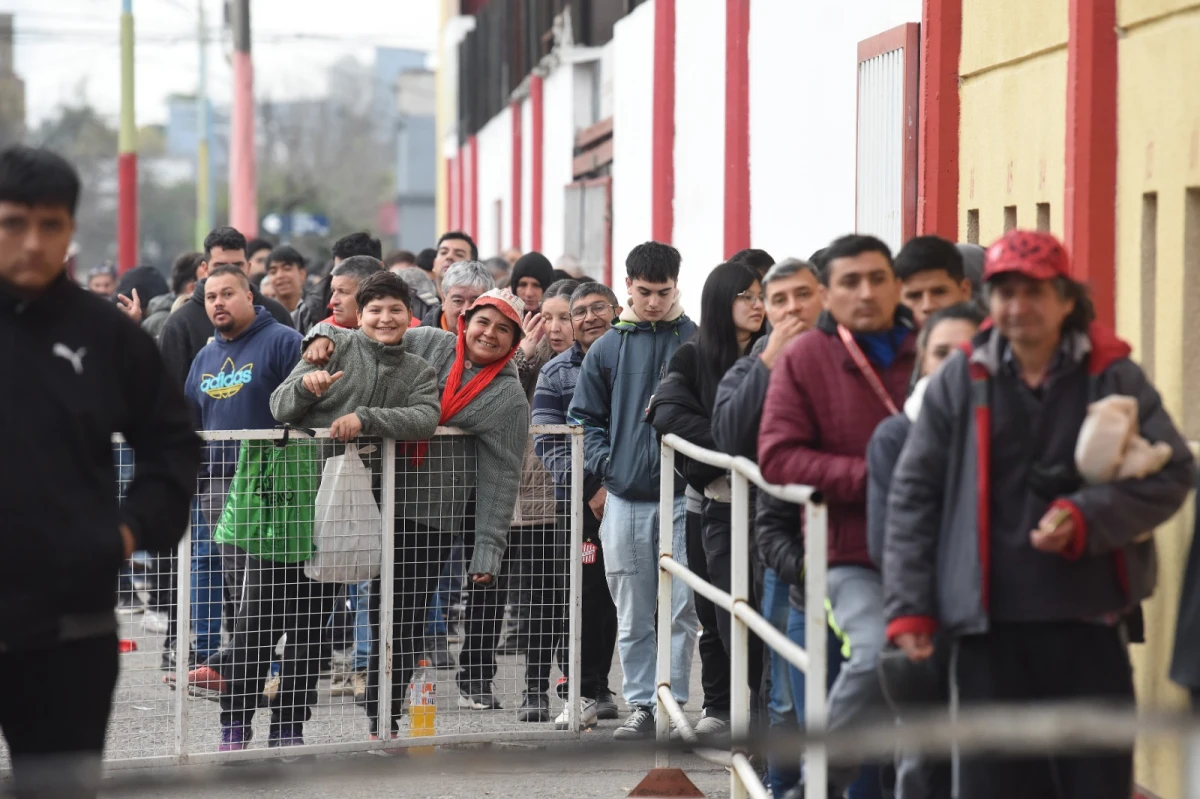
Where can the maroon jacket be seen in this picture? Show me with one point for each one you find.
(818, 418)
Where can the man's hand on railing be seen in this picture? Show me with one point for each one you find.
(481, 579)
(918, 646)
(345, 428)
(596, 503)
(319, 351)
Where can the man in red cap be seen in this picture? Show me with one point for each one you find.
(995, 541)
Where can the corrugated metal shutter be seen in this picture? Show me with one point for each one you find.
(885, 199)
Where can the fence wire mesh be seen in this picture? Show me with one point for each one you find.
(272, 628)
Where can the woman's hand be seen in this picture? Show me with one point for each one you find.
(320, 382)
(319, 351)
(345, 428)
(482, 579)
(535, 330)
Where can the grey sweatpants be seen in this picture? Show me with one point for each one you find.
(856, 612)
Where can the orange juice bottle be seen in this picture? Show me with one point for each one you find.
(422, 707)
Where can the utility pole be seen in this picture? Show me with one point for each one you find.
(204, 197)
(127, 170)
(243, 202)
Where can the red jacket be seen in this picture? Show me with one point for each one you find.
(819, 415)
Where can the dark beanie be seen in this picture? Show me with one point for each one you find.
(148, 281)
(534, 265)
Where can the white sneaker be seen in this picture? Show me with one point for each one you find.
(588, 714)
(154, 622)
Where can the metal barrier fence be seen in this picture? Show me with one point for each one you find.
(300, 663)
(811, 659)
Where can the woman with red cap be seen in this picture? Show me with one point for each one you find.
(453, 483)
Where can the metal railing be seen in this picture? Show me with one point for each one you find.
(811, 659)
(153, 725)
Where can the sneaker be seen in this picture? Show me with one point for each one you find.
(235, 737)
(587, 715)
(358, 682)
(477, 696)
(271, 689)
(534, 708)
(638, 727)
(154, 622)
(713, 731)
(285, 735)
(340, 685)
(201, 678)
(130, 604)
(606, 707)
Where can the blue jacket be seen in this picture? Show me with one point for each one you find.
(230, 383)
(551, 399)
(617, 380)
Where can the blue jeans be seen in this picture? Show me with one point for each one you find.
(206, 588)
(629, 535)
(360, 600)
(781, 776)
(448, 588)
(866, 786)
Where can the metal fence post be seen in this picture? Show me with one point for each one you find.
(385, 599)
(739, 673)
(666, 536)
(815, 639)
(575, 607)
(183, 640)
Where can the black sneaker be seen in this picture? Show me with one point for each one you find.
(606, 706)
(477, 696)
(638, 727)
(534, 707)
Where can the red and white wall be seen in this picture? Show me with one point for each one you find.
(734, 125)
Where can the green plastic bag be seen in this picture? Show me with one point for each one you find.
(269, 510)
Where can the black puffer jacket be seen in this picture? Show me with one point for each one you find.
(678, 407)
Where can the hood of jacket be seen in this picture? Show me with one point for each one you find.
(1100, 346)
(262, 318)
(629, 320)
(160, 304)
(912, 405)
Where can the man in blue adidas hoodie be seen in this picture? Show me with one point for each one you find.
(229, 387)
(619, 375)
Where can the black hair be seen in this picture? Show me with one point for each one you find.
(286, 254)
(399, 257)
(1084, 313)
(359, 267)
(223, 238)
(716, 339)
(183, 271)
(560, 275)
(561, 288)
(426, 257)
(653, 262)
(928, 254)
(358, 244)
(592, 287)
(35, 176)
(961, 311)
(458, 235)
(758, 260)
(255, 245)
(383, 285)
(230, 269)
(819, 259)
(496, 262)
(850, 246)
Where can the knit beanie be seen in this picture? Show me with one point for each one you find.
(534, 265)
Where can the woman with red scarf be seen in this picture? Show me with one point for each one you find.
(453, 483)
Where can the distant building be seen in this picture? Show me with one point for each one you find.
(182, 132)
(416, 159)
(12, 89)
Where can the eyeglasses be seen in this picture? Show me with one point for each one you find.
(600, 309)
(751, 299)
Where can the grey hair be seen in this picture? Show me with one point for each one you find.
(358, 267)
(787, 268)
(588, 289)
(468, 273)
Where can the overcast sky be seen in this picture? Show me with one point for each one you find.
(67, 46)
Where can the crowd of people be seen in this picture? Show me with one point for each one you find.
(993, 462)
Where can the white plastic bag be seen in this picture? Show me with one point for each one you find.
(347, 524)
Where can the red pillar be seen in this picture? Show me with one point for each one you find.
(662, 170)
(1090, 207)
(451, 200)
(515, 237)
(473, 196)
(937, 188)
(737, 125)
(243, 199)
(535, 168)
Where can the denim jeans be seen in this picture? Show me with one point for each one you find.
(867, 785)
(450, 586)
(781, 776)
(629, 534)
(360, 601)
(206, 588)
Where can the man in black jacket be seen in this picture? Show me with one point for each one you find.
(86, 372)
(188, 329)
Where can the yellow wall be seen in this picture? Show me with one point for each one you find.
(1012, 145)
(1159, 151)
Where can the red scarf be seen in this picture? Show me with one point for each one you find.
(455, 396)
(330, 320)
